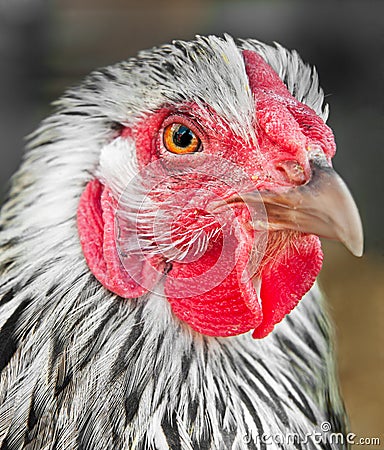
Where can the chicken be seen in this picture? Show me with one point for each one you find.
(159, 250)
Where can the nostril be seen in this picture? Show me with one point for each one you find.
(293, 171)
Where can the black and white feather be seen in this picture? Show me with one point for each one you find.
(84, 369)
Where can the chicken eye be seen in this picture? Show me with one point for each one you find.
(180, 139)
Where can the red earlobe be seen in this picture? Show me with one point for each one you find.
(96, 222)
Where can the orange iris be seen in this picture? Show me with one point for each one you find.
(180, 139)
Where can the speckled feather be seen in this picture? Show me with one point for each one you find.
(84, 369)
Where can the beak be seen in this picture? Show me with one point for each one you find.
(323, 206)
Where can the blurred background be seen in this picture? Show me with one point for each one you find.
(45, 46)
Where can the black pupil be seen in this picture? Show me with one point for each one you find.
(183, 136)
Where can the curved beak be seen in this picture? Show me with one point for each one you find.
(323, 206)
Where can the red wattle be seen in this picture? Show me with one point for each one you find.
(212, 294)
(227, 304)
(285, 281)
